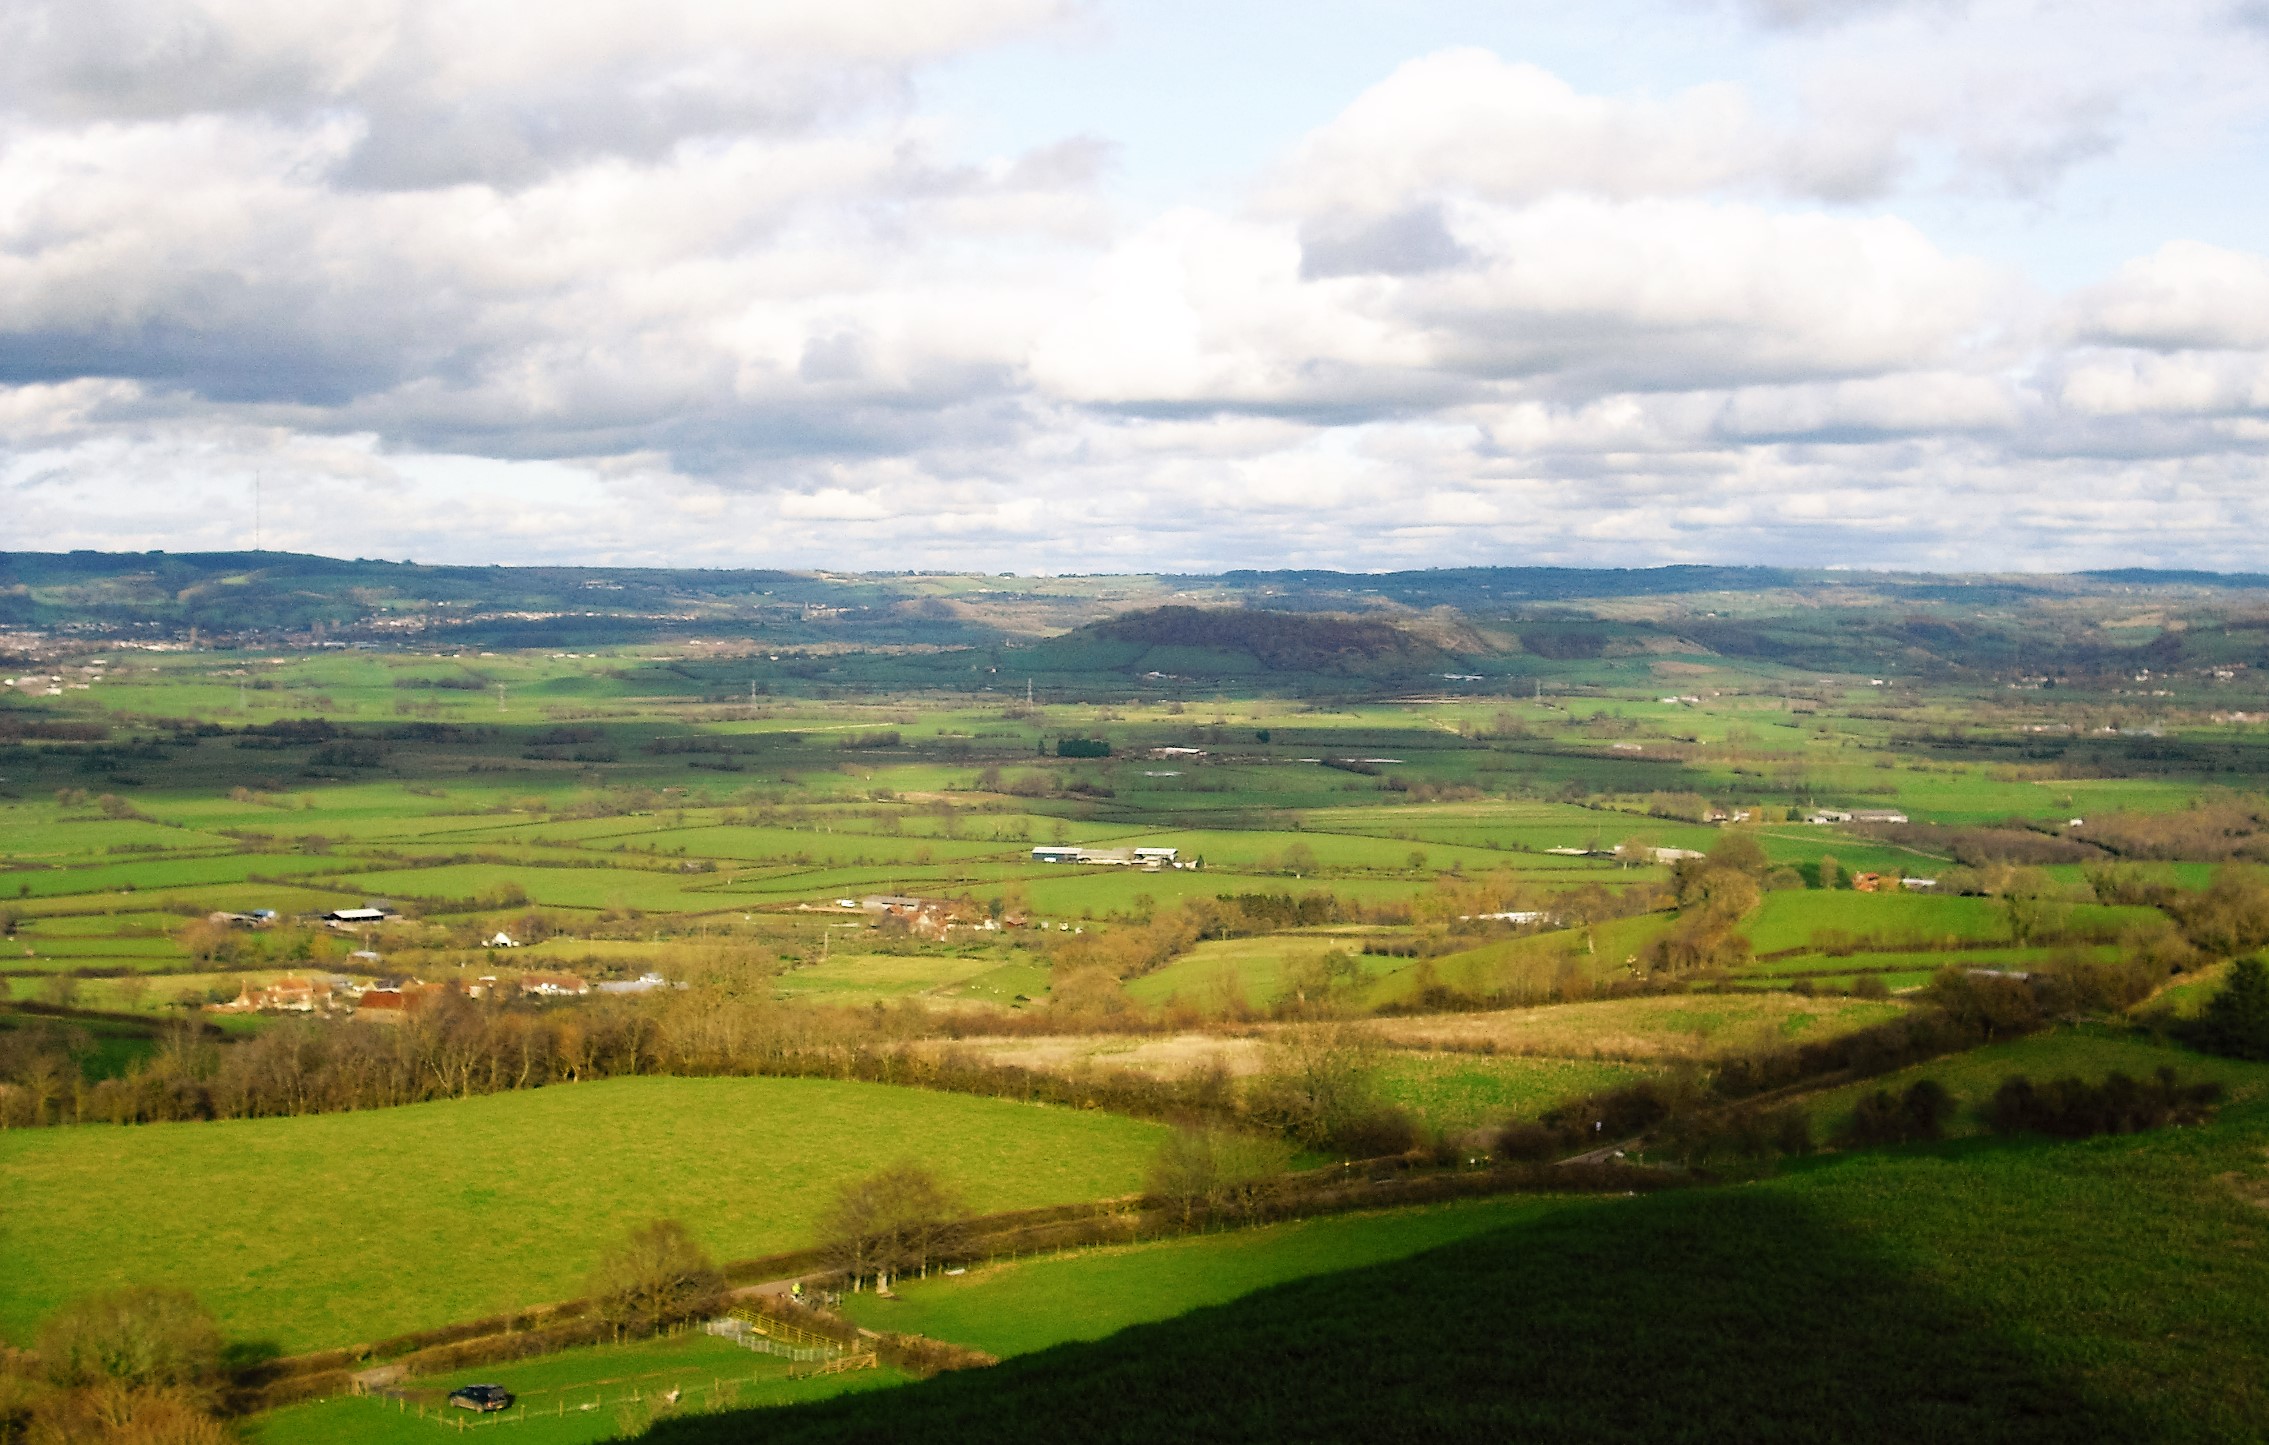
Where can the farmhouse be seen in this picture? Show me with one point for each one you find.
(382, 1005)
(285, 995)
(390, 1001)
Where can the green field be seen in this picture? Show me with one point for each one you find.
(1224, 975)
(2040, 1292)
(2086, 1052)
(1017, 1307)
(691, 791)
(1645, 1029)
(294, 1230)
(603, 1393)
(1454, 1092)
(863, 978)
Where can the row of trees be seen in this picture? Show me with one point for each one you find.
(1321, 1088)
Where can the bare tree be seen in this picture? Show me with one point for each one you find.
(898, 1220)
(1228, 1174)
(657, 1276)
(1322, 1078)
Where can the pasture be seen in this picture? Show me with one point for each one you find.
(1231, 975)
(2086, 1052)
(649, 807)
(2032, 1292)
(336, 1228)
(1643, 1030)
(605, 1392)
(1015, 1307)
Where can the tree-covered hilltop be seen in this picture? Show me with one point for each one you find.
(1383, 629)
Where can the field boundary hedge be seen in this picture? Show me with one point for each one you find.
(546, 1329)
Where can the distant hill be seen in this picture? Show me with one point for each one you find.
(1216, 642)
(1340, 631)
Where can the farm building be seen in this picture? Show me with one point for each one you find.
(554, 985)
(1112, 857)
(644, 983)
(1657, 855)
(256, 918)
(388, 1005)
(284, 995)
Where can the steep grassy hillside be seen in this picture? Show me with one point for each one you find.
(2113, 1290)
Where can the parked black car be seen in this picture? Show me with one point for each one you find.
(483, 1398)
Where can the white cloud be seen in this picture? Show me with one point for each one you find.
(2184, 295)
(453, 90)
(1465, 122)
(750, 304)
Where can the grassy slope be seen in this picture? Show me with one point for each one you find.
(2085, 1052)
(331, 1229)
(1022, 1306)
(1653, 1027)
(2112, 1290)
(1458, 1091)
(572, 1397)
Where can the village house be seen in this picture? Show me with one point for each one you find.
(390, 1000)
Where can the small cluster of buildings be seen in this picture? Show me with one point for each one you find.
(1856, 815)
(1630, 853)
(345, 920)
(931, 918)
(1152, 859)
(1890, 883)
(387, 1000)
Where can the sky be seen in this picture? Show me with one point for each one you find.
(1127, 285)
